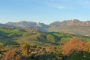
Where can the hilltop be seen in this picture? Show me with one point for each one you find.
(74, 26)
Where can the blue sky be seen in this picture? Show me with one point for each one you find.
(45, 11)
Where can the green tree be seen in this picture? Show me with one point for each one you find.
(50, 38)
(25, 49)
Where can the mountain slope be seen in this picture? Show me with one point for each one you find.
(29, 25)
(13, 36)
(69, 26)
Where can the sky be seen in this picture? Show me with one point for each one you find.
(45, 11)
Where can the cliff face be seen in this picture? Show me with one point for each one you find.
(68, 26)
(71, 26)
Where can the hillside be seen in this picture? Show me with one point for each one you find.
(31, 44)
(13, 36)
(29, 25)
(71, 26)
(74, 26)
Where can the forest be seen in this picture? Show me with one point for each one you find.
(31, 44)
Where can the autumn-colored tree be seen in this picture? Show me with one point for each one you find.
(12, 55)
(75, 45)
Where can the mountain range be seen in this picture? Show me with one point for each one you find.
(74, 26)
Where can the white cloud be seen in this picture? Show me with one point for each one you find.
(60, 7)
(68, 4)
(55, 4)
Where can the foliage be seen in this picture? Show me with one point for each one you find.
(25, 49)
(11, 55)
(50, 38)
(79, 56)
(75, 45)
(77, 49)
(24, 44)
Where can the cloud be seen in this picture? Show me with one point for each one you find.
(55, 4)
(60, 7)
(68, 4)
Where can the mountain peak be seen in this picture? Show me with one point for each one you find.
(75, 20)
(39, 24)
(73, 26)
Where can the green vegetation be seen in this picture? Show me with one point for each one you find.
(31, 44)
